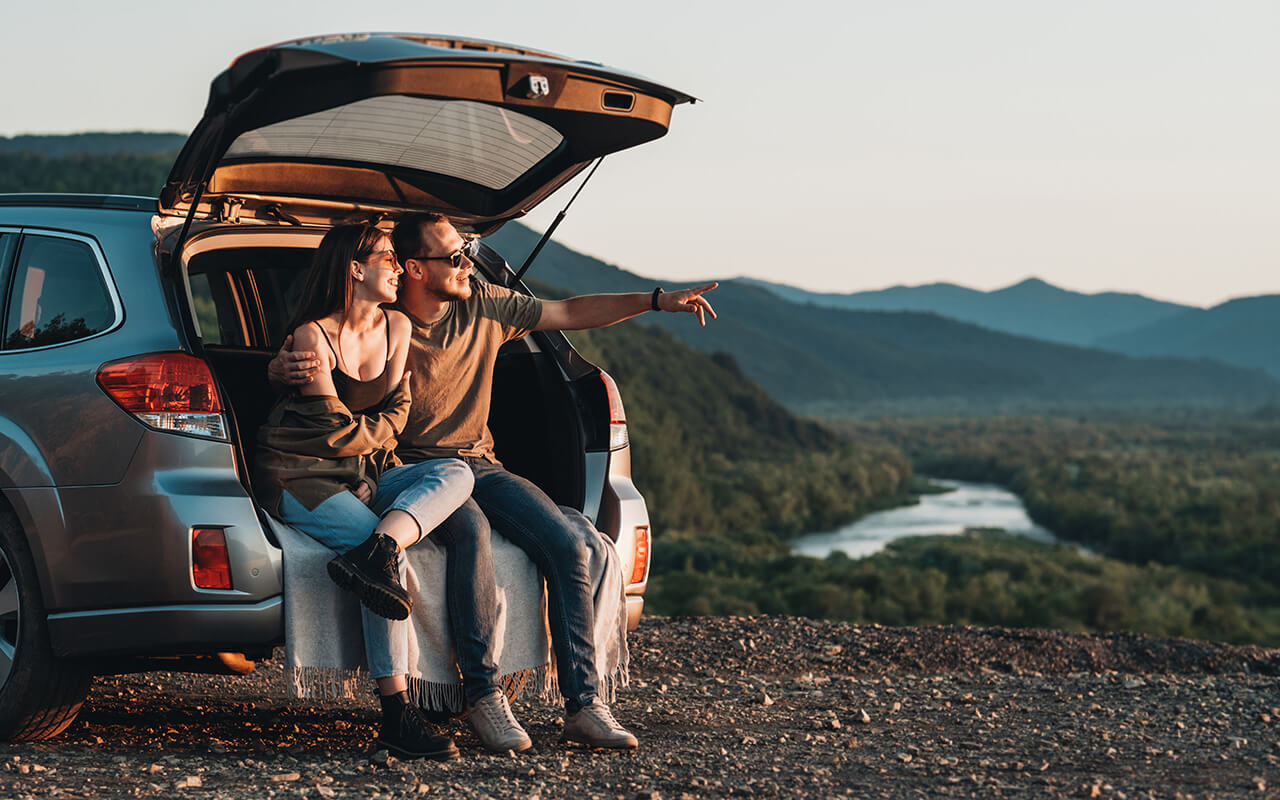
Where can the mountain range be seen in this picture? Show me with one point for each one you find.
(833, 361)
(1029, 308)
(1241, 332)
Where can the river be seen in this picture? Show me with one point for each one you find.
(968, 505)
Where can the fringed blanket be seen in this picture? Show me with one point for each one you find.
(325, 646)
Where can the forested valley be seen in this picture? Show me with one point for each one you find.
(1178, 515)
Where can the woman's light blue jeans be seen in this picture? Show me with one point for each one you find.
(429, 491)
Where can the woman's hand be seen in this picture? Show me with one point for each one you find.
(363, 493)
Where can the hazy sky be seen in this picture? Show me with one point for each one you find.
(841, 146)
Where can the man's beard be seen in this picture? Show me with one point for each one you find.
(451, 290)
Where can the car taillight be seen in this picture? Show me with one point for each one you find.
(210, 566)
(641, 565)
(166, 391)
(617, 416)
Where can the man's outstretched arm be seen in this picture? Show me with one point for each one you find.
(599, 310)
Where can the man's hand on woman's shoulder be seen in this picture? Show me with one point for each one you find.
(292, 367)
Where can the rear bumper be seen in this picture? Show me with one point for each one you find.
(168, 630)
(635, 607)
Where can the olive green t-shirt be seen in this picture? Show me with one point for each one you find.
(452, 364)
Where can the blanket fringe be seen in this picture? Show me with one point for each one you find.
(437, 696)
(538, 683)
(450, 697)
(325, 683)
(548, 688)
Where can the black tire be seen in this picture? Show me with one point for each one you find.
(40, 694)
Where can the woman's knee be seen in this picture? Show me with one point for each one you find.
(458, 480)
(443, 477)
(441, 487)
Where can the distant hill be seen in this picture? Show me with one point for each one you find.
(112, 163)
(1245, 332)
(123, 173)
(135, 143)
(826, 360)
(1031, 308)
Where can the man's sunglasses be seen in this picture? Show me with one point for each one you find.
(455, 258)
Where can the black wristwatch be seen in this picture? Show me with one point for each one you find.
(653, 302)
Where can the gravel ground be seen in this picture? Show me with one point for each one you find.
(755, 707)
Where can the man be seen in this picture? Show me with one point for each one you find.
(458, 327)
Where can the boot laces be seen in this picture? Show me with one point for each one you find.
(388, 553)
(413, 725)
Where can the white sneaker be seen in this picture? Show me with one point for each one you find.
(493, 722)
(594, 725)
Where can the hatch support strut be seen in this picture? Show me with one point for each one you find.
(205, 173)
(546, 237)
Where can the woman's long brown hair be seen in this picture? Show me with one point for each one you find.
(329, 283)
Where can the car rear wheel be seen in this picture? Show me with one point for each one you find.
(40, 694)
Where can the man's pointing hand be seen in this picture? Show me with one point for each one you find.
(690, 300)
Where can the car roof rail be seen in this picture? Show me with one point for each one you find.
(117, 202)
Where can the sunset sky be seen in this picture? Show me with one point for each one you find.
(1116, 145)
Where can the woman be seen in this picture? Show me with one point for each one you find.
(324, 446)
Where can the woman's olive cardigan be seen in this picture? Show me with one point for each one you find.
(313, 447)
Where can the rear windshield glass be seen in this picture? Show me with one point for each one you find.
(483, 144)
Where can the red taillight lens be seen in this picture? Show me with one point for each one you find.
(641, 565)
(617, 415)
(167, 391)
(210, 567)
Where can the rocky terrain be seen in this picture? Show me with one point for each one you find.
(742, 707)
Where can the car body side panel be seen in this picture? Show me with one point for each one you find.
(129, 544)
(54, 404)
(22, 463)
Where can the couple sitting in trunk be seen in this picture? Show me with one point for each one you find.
(382, 440)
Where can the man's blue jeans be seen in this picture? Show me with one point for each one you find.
(523, 513)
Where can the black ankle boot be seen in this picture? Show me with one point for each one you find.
(370, 569)
(406, 734)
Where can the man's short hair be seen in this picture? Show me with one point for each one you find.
(406, 237)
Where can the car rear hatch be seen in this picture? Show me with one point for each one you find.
(332, 129)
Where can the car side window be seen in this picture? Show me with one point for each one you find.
(58, 294)
(206, 309)
(279, 289)
(8, 244)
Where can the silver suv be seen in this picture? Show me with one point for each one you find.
(136, 333)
